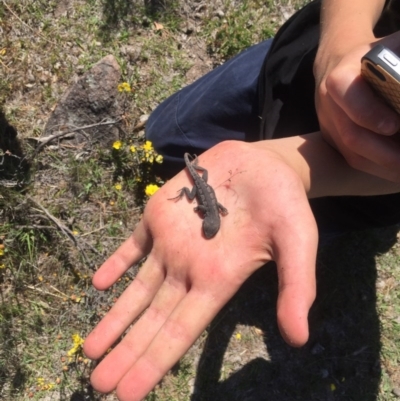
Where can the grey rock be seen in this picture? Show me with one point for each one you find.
(92, 100)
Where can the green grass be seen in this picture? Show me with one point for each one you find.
(238, 26)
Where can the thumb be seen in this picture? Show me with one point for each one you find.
(296, 259)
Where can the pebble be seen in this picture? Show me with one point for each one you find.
(396, 391)
(143, 118)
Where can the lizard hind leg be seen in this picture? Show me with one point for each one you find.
(200, 209)
(181, 192)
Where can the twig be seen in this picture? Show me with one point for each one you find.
(35, 227)
(8, 183)
(65, 230)
(43, 292)
(61, 226)
(94, 231)
(56, 289)
(45, 140)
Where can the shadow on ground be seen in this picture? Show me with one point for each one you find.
(340, 360)
(13, 165)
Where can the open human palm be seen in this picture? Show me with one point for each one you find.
(187, 278)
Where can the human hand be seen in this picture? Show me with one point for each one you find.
(187, 279)
(352, 118)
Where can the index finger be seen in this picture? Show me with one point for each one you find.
(129, 253)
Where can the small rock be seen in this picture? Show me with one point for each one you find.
(380, 284)
(220, 14)
(132, 52)
(396, 391)
(143, 118)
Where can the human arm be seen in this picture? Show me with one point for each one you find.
(351, 117)
(186, 279)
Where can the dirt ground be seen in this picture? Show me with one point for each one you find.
(352, 353)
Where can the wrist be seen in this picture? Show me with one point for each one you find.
(345, 26)
(322, 170)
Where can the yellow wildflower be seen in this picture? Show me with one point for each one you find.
(151, 189)
(124, 87)
(159, 159)
(117, 145)
(132, 149)
(238, 336)
(332, 387)
(78, 342)
(1, 252)
(148, 146)
(43, 386)
(3, 266)
(118, 187)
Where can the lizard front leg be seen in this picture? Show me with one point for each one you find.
(191, 194)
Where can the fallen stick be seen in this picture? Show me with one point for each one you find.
(47, 139)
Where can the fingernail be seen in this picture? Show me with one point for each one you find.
(388, 127)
